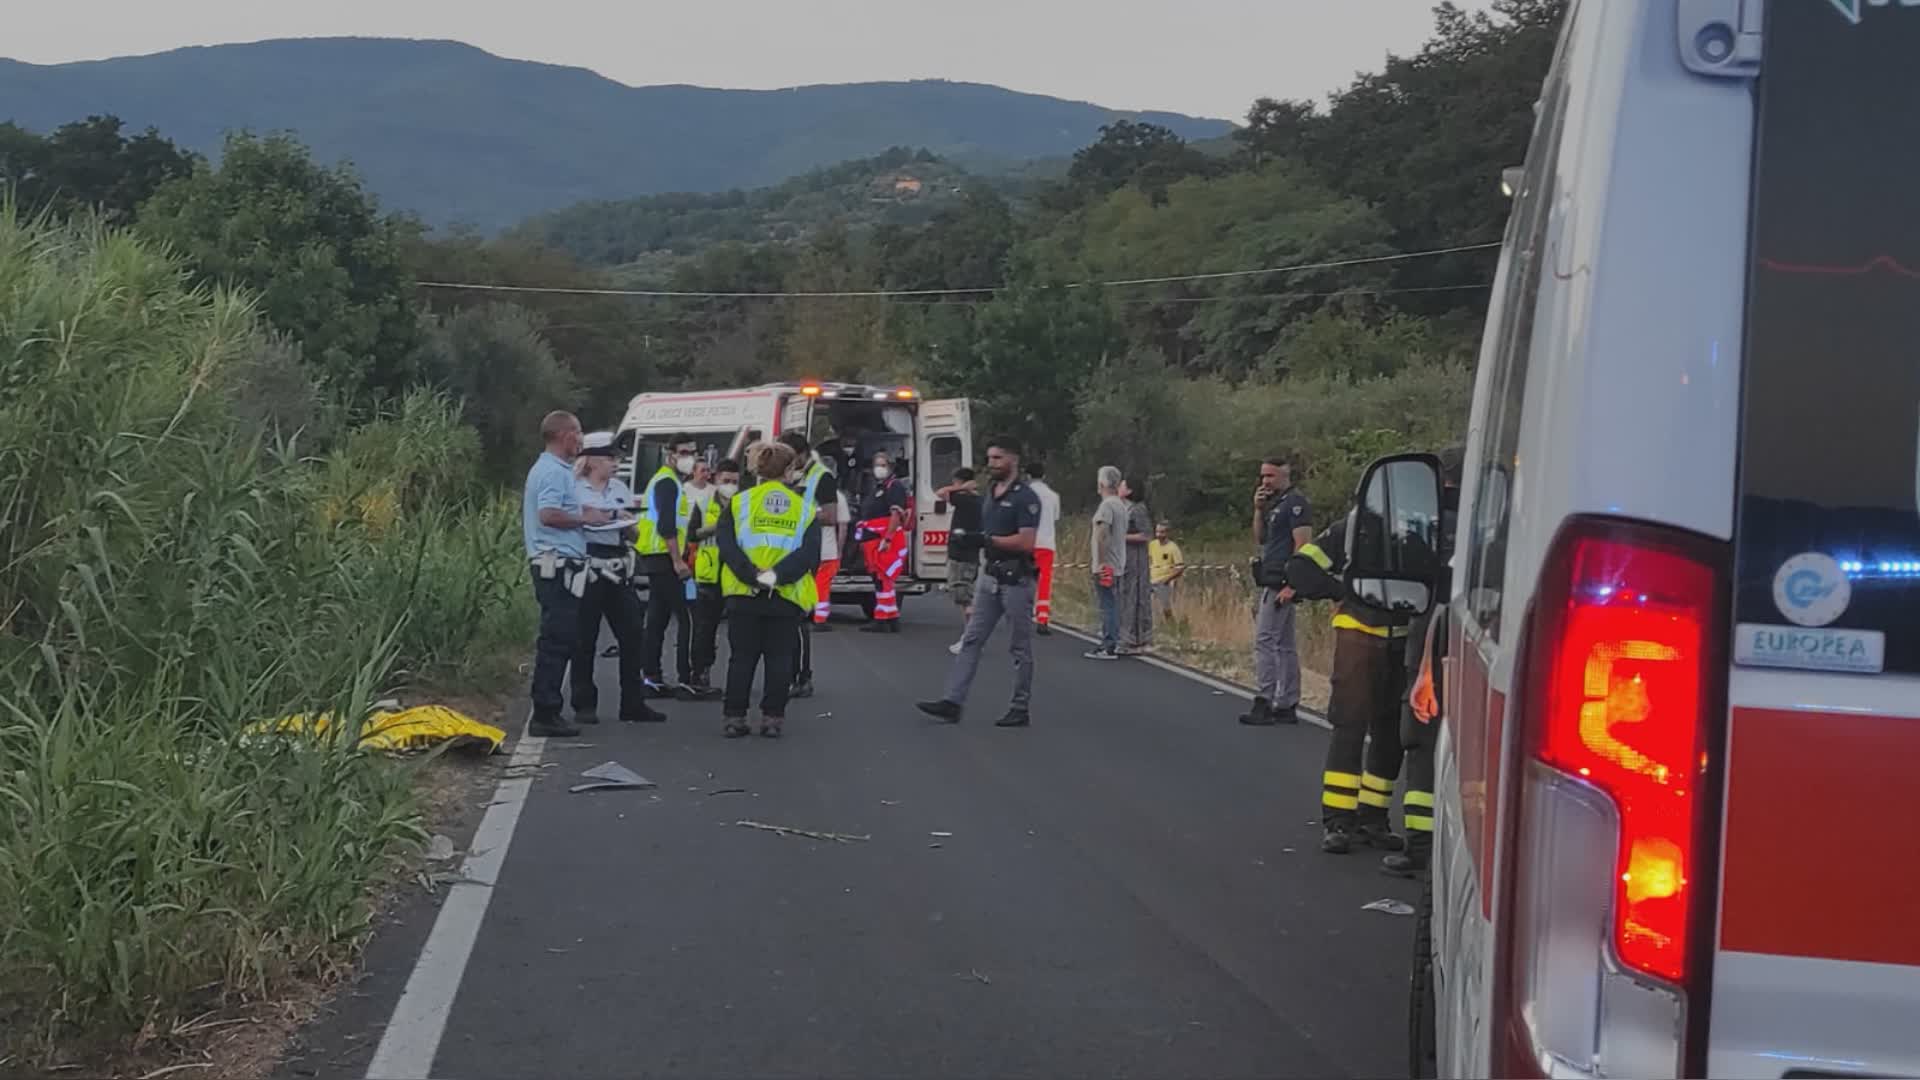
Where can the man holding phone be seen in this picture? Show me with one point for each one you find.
(1282, 523)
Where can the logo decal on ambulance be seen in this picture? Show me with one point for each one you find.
(1811, 589)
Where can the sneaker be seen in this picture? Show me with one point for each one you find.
(802, 688)
(1014, 718)
(1043, 629)
(1101, 654)
(1261, 715)
(954, 648)
(735, 727)
(943, 710)
(551, 727)
(769, 727)
(1336, 840)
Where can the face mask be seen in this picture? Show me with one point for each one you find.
(881, 472)
(728, 491)
(794, 476)
(683, 464)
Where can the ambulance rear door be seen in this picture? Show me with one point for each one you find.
(943, 442)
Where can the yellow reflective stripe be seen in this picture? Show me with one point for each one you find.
(1339, 802)
(1419, 822)
(1375, 798)
(1320, 559)
(1377, 783)
(1419, 798)
(1340, 779)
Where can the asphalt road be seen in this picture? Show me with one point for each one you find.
(1131, 887)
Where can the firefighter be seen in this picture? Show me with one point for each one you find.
(1369, 677)
(1426, 648)
(708, 601)
(662, 535)
(769, 551)
(885, 542)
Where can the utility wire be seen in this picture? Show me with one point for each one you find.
(854, 294)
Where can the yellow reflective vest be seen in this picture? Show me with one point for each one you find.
(649, 540)
(706, 561)
(770, 522)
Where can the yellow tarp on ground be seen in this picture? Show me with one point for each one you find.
(396, 731)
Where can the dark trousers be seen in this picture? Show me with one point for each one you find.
(1363, 757)
(554, 649)
(1416, 803)
(619, 606)
(756, 634)
(708, 604)
(803, 651)
(667, 602)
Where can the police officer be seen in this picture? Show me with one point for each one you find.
(1369, 677)
(1009, 527)
(708, 601)
(609, 594)
(666, 515)
(1282, 523)
(769, 549)
(552, 523)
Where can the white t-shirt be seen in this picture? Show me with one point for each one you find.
(1043, 537)
(830, 534)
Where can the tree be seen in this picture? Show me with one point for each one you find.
(312, 244)
(88, 165)
(505, 375)
(1276, 131)
(1146, 156)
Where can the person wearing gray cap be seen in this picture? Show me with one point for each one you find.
(609, 594)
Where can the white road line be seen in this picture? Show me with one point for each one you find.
(412, 1038)
(1191, 675)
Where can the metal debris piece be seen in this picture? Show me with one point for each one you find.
(611, 776)
(942, 835)
(1391, 907)
(788, 830)
(728, 791)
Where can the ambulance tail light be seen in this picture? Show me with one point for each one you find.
(1608, 925)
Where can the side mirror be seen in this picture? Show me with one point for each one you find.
(1395, 536)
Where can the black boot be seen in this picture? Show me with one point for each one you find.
(1289, 714)
(1335, 839)
(1413, 862)
(551, 727)
(1377, 833)
(1261, 715)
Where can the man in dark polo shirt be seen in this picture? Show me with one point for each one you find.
(1009, 525)
(1282, 522)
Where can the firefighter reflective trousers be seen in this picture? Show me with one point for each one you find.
(1363, 757)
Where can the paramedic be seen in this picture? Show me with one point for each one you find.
(769, 551)
(1044, 546)
(552, 523)
(885, 540)
(666, 514)
(708, 601)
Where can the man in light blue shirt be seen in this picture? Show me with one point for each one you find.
(554, 522)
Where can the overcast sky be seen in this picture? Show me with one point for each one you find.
(1205, 57)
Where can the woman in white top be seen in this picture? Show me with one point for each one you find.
(609, 594)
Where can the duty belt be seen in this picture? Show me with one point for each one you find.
(619, 571)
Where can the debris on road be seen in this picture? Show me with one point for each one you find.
(788, 830)
(440, 848)
(574, 746)
(728, 791)
(941, 834)
(611, 776)
(975, 976)
(889, 802)
(1391, 907)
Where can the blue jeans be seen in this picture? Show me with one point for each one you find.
(1109, 614)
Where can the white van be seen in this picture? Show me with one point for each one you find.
(926, 439)
(1682, 695)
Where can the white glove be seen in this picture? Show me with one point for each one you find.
(767, 579)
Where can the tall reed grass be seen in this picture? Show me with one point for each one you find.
(166, 579)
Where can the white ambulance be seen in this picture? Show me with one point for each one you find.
(1682, 697)
(927, 440)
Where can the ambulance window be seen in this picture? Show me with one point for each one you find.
(1830, 438)
(944, 450)
(1526, 254)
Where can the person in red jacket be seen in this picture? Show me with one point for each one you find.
(885, 541)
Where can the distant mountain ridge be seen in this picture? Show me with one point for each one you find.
(457, 134)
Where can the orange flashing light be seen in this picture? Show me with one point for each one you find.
(904, 393)
(811, 390)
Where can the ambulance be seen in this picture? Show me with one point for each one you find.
(926, 441)
(1681, 697)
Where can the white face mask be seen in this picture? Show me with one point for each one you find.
(881, 472)
(683, 464)
(727, 491)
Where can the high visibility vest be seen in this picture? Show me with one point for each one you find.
(812, 482)
(650, 541)
(770, 522)
(706, 560)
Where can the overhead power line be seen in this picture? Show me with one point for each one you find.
(859, 294)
